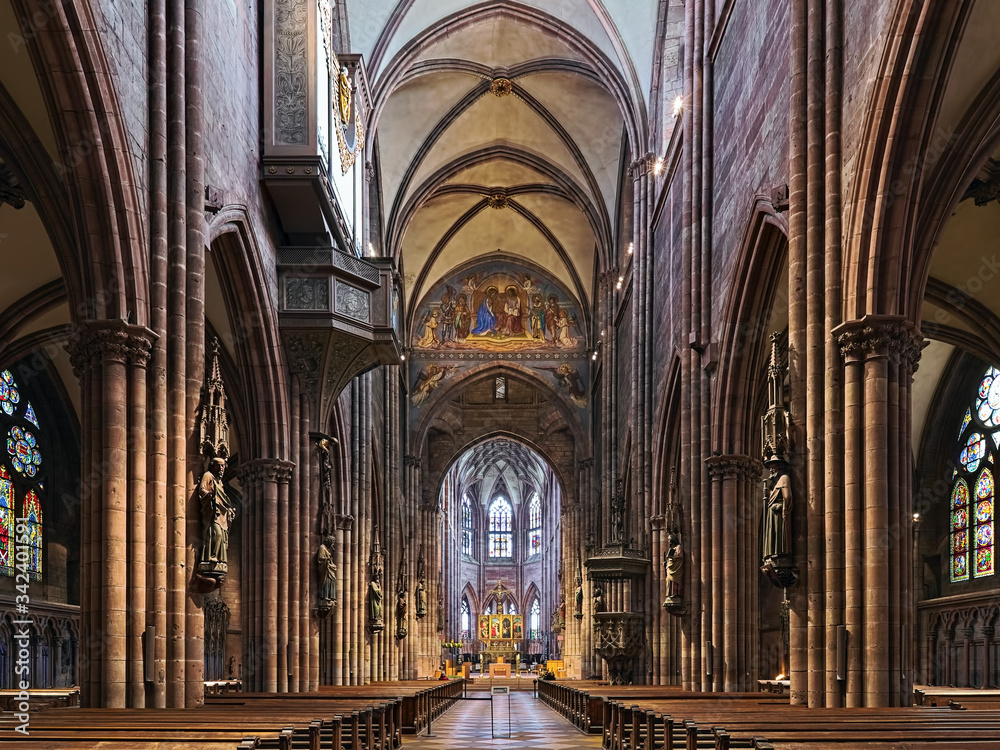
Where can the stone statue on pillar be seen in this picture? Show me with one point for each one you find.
(578, 594)
(673, 566)
(777, 563)
(218, 511)
(401, 595)
(599, 604)
(420, 593)
(326, 569)
(377, 565)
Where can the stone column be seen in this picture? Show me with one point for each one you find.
(880, 353)
(737, 477)
(110, 358)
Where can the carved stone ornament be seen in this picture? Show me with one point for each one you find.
(619, 638)
(291, 75)
(501, 87)
(498, 199)
(377, 565)
(353, 302)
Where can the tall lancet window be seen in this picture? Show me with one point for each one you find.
(501, 532)
(21, 487)
(466, 629)
(535, 525)
(466, 526)
(974, 490)
(534, 621)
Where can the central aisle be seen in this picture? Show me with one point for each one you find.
(466, 726)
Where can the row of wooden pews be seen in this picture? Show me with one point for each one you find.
(650, 718)
(371, 717)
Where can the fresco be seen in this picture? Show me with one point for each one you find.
(498, 307)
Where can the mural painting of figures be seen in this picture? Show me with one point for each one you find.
(463, 317)
(486, 317)
(498, 308)
(569, 380)
(428, 380)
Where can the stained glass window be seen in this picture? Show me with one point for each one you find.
(973, 495)
(33, 519)
(501, 536)
(534, 620)
(466, 630)
(960, 531)
(466, 526)
(500, 389)
(535, 524)
(21, 491)
(6, 524)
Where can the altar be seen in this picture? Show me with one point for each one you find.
(499, 670)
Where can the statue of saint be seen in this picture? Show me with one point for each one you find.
(327, 570)
(673, 565)
(599, 603)
(217, 513)
(778, 512)
(579, 601)
(420, 595)
(375, 604)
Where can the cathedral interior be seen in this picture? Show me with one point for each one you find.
(353, 341)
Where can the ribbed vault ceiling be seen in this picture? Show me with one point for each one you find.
(501, 126)
(501, 465)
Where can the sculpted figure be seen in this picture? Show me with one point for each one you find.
(599, 604)
(777, 514)
(217, 513)
(673, 564)
(579, 601)
(327, 570)
(375, 604)
(421, 598)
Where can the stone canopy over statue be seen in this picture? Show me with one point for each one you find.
(217, 509)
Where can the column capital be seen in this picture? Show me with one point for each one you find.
(95, 342)
(657, 523)
(345, 523)
(642, 166)
(267, 469)
(879, 336)
(734, 466)
(412, 462)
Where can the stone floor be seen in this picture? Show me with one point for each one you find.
(466, 726)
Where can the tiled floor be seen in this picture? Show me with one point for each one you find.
(466, 726)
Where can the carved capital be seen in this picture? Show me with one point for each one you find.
(412, 462)
(267, 470)
(734, 466)
(988, 632)
(99, 342)
(641, 166)
(656, 523)
(876, 336)
(345, 523)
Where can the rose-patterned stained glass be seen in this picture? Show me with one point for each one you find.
(6, 524)
(33, 519)
(9, 396)
(965, 422)
(960, 531)
(973, 452)
(988, 400)
(536, 542)
(23, 450)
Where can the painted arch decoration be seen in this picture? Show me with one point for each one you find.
(498, 306)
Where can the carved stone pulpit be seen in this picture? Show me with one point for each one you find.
(619, 638)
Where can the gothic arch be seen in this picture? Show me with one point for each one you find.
(744, 342)
(881, 221)
(108, 278)
(257, 342)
